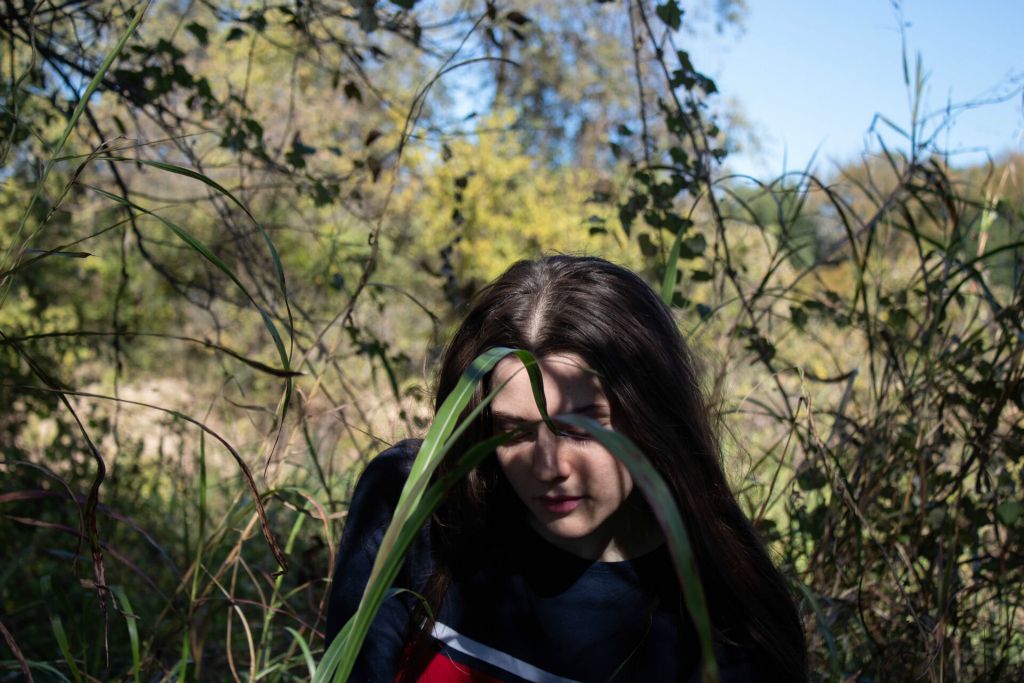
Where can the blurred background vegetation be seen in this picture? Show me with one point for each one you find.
(236, 235)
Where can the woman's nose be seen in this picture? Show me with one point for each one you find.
(550, 461)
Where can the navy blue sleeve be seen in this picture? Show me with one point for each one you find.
(373, 504)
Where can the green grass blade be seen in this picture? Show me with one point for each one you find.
(445, 421)
(202, 498)
(274, 255)
(307, 656)
(668, 283)
(46, 584)
(266, 633)
(441, 435)
(663, 505)
(133, 631)
(443, 431)
(201, 539)
(331, 660)
(343, 651)
(185, 652)
(48, 668)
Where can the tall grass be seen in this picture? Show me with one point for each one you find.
(862, 333)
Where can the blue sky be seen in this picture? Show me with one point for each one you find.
(812, 74)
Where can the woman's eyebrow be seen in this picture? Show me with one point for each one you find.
(594, 409)
(590, 410)
(509, 418)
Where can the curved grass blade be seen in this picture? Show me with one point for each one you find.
(133, 630)
(340, 657)
(205, 252)
(408, 518)
(442, 434)
(664, 507)
(46, 667)
(185, 657)
(195, 175)
(266, 632)
(261, 512)
(220, 348)
(307, 656)
(46, 586)
(444, 430)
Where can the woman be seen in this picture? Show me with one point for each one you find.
(545, 563)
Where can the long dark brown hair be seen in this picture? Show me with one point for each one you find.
(612, 319)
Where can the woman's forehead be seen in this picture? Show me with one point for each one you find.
(570, 385)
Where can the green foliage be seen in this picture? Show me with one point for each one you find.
(235, 237)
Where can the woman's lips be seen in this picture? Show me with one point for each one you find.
(559, 504)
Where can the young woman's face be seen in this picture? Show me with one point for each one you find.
(574, 489)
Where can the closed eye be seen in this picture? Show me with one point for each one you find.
(519, 433)
(574, 436)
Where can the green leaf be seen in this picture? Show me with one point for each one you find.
(647, 246)
(693, 247)
(701, 276)
(368, 20)
(809, 477)
(274, 255)
(518, 18)
(628, 212)
(257, 21)
(1009, 511)
(254, 127)
(352, 92)
(202, 35)
(296, 156)
(670, 13)
(798, 315)
(668, 283)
